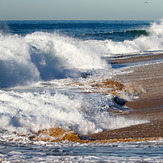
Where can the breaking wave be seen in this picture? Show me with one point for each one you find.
(149, 40)
(44, 56)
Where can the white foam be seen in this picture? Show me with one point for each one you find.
(47, 56)
(70, 52)
(15, 64)
(26, 112)
(153, 42)
(44, 56)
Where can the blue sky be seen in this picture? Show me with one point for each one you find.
(81, 9)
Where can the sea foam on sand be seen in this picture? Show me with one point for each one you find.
(29, 112)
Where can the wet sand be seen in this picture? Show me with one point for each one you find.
(149, 105)
(136, 58)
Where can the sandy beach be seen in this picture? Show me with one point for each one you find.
(149, 105)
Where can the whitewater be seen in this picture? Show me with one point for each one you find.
(45, 78)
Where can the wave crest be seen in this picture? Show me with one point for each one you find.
(149, 40)
(15, 63)
(44, 56)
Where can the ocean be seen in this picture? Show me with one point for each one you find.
(48, 73)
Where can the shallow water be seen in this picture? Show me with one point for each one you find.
(54, 152)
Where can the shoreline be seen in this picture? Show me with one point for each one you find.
(149, 105)
(137, 58)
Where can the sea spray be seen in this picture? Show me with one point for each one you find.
(15, 62)
(76, 53)
(143, 44)
(45, 56)
(29, 112)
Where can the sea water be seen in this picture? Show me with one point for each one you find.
(46, 68)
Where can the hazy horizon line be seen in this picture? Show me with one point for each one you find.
(79, 19)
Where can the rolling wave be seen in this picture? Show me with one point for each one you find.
(46, 56)
(138, 32)
(117, 35)
(149, 40)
